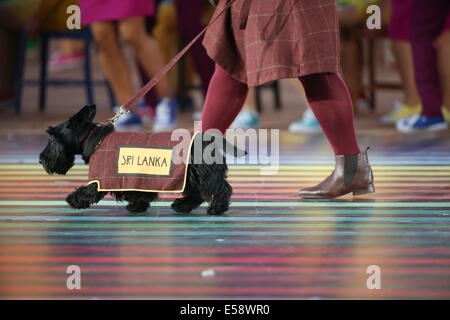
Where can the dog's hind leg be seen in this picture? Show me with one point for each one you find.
(220, 199)
(84, 196)
(192, 197)
(139, 201)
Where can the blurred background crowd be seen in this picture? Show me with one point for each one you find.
(132, 40)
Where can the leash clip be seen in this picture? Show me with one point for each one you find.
(121, 111)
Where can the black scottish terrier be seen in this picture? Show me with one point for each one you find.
(204, 182)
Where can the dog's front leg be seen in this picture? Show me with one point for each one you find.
(188, 203)
(138, 201)
(84, 196)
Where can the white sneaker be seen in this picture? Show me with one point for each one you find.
(246, 119)
(400, 111)
(308, 124)
(421, 123)
(165, 115)
(197, 115)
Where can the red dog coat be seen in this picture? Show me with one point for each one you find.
(129, 161)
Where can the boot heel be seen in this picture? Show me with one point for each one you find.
(364, 190)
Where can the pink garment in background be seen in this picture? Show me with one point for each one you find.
(400, 22)
(109, 10)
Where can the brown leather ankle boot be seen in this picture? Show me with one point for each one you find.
(352, 174)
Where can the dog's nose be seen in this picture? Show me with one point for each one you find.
(40, 161)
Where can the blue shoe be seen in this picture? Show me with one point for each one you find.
(308, 124)
(421, 123)
(128, 122)
(197, 116)
(145, 112)
(246, 119)
(165, 116)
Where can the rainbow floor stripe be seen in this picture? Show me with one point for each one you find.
(269, 245)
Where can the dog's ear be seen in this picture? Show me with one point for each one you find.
(85, 115)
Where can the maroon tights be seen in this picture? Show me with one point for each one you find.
(327, 95)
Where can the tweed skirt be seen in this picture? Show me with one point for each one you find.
(281, 39)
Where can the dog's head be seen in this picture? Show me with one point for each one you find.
(66, 140)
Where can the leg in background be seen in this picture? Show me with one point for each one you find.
(190, 15)
(133, 31)
(403, 57)
(399, 33)
(70, 46)
(166, 34)
(113, 60)
(331, 103)
(224, 101)
(429, 19)
(351, 64)
(9, 42)
(443, 47)
(251, 100)
(10, 26)
(151, 98)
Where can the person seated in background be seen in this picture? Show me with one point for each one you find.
(31, 16)
(111, 19)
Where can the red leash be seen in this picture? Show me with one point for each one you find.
(143, 91)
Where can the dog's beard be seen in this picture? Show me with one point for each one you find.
(55, 160)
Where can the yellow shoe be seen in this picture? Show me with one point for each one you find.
(446, 114)
(401, 111)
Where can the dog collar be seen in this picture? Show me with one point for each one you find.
(89, 135)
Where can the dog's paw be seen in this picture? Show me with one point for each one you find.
(137, 207)
(76, 203)
(216, 211)
(182, 205)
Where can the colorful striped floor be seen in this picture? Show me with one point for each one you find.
(270, 244)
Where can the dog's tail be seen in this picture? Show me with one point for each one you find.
(224, 145)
